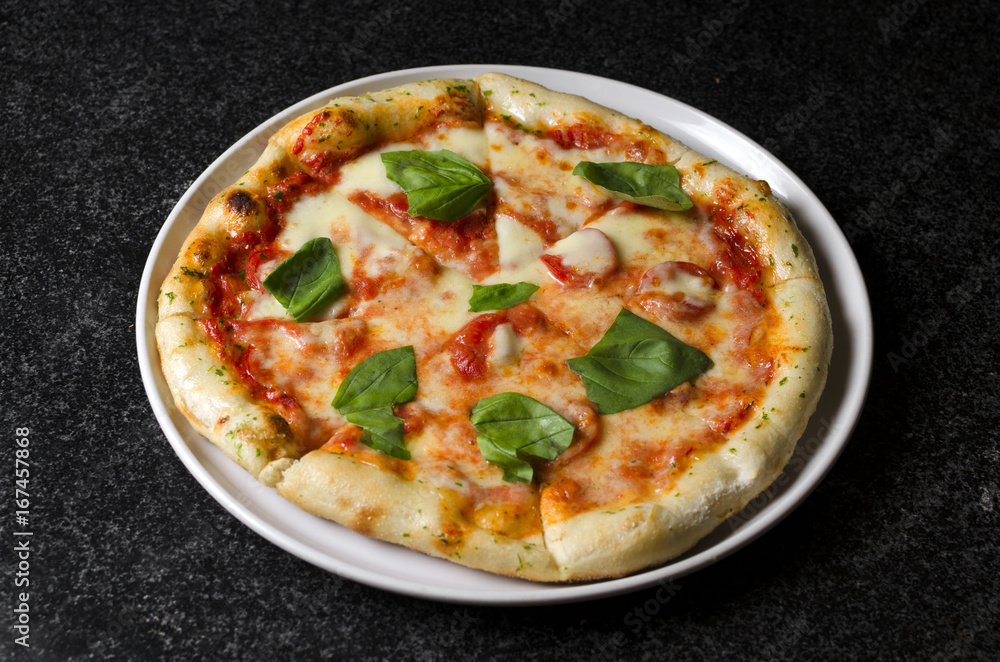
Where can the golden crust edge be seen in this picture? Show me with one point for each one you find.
(756, 212)
(652, 532)
(353, 123)
(415, 515)
(218, 407)
(236, 209)
(540, 108)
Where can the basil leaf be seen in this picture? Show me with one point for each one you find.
(308, 280)
(368, 393)
(634, 362)
(500, 296)
(512, 427)
(383, 430)
(515, 470)
(439, 185)
(382, 380)
(650, 185)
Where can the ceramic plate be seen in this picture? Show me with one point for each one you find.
(394, 568)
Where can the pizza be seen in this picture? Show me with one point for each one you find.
(501, 325)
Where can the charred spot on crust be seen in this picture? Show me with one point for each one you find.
(347, 118)
(241, 203)
(201, 252)
(277, 172)
(279, 427)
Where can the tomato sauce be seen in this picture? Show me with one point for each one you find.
(470, 240)
(470, 347)
(545, 227)
(739, 262)
(581, 136)
(223, 336)
(325, 166)
(226, 280)
(285, 193)
(308, 130)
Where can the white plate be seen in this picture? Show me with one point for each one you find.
(394, 568)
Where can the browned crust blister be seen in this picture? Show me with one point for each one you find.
(379, 503)
(349, 126)
(236, 210)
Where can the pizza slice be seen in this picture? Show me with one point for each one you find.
(427, 182)
(448, 499)
(536, 139)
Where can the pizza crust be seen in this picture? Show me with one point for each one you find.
(238, 209)
(756, 213)
(380, 504)
(803, 345)
(540, 109)
(616, 542)
(218, 406)
(350, 126)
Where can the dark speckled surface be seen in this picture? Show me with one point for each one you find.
(108, 112)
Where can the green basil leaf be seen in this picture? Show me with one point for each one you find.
(368, 393)
(308, 280)
(513, 427)
(439, 185)
(382, 380)
(383, 431)
(634, 362)
(500, 296)
(515, 470)
(650, 185)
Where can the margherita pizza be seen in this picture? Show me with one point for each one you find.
(500, 325)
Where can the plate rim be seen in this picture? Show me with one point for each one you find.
(850, 408)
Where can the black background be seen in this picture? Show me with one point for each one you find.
(109, 111)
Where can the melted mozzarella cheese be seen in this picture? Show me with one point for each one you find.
(368, 174)
(533, 164)
(687, 283)
(518, 248)
(470, 143)
(586, 251)
(646, 238)
(505, 346)
(329, 214)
